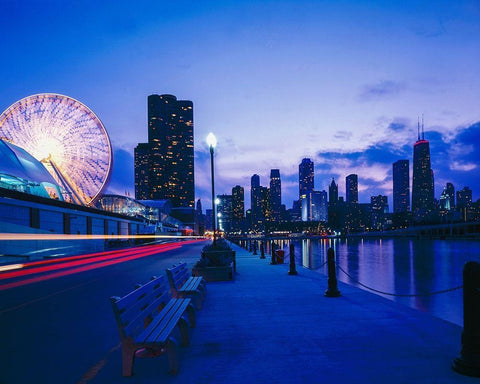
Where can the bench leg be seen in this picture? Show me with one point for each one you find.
(172, 353)
(128, 359)
(203, 289)
(191, 315)
(198, 299)
(183, 326)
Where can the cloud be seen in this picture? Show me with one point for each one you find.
(343, 135)
(397, 126)
(467, 141)
(381, 90)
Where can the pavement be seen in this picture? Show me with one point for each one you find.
(269, 327)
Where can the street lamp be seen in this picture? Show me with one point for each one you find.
(212, 142)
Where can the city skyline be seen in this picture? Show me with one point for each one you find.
(341, 84)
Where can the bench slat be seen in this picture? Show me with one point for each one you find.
(147, 300)
(165, 321)
(176, 313)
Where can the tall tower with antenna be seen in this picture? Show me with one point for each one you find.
(423, 181)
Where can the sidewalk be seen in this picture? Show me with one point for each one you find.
(269, 327)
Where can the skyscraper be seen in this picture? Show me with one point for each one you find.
(351, 184)
(464, 202)
(333, 192)
(422, 186)
(224, 212)
(170, 140)
(450, 192)
(401, 186)
(142, 156)
(199, 219)
(275, 194)
(255, 200)
(305, 177)
(238, 207)
(321, 206)
(379, 207)
(266, 206)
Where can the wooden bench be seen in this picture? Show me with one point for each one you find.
(151, 323)
(183, 285)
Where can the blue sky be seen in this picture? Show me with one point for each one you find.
(341, 82)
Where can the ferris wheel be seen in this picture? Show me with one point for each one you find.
(67, 137)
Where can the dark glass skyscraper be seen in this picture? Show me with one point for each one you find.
(351, 184)
(450, 192)
(305, 177)
(224, 212)
(333, 192)
(255, 199)
(275, 194)
(464, 202)
(238, 205)
(401, 186)
(170, 144)
(422, 185)
(142, 156)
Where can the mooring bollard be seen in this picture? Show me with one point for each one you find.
(332, 290)
(272, 249)
(255, 247)
(468, 363)
(249, 245)
(293, 270)
(262, 250)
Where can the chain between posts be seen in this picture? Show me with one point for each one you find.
(399, 294)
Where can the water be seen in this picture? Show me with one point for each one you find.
(400, 266)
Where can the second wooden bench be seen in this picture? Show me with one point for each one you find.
(183, 285)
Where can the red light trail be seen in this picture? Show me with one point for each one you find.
(69, 265)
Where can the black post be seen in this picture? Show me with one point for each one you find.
(332, 290)
(272, 249)
(249, 245)
(213, 199)
(468, 363)
(262, 250)
(255, 247)
(292, 270)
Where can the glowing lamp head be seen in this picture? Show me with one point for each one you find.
(217, 201)
(211, 140)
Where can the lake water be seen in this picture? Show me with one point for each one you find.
(400, 266)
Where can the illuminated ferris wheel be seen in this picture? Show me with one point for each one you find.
(67, 137)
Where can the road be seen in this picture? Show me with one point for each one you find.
(56, 319)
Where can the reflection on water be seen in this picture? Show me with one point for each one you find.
(401, 266)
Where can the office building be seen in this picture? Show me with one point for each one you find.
(351, 185)
(275, 194)
(401, 186)
(141, 159)
(255, 200)
(238, 207)
(224, 213)
(379, 208)
(422, 185)
(170, 157)
(305, 177)
(333, 192)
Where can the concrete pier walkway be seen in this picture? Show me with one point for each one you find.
(269, 327)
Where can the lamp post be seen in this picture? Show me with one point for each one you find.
(212, 142)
